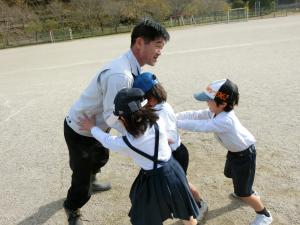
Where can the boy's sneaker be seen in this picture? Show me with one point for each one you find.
(236, 196)
(74, 216)
(203, 210)
(262, 219)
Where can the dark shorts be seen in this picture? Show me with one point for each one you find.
(240, 166)
(181, 154)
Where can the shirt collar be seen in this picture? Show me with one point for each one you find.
(221, 114)
(134, 64)
(158, 106)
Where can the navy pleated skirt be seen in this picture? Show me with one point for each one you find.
(160, 194)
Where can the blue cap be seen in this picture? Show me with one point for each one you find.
(145, 81)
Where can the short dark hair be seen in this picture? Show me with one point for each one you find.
(137, 123)
(234, 100)
(149, 30)
(158, 92)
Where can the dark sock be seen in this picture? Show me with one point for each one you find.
(265, 212)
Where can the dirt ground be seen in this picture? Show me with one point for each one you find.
(39, 83)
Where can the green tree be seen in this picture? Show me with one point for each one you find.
(51, 24)
(265, 4)
(34, 27)
(238, 4)
(37, 2)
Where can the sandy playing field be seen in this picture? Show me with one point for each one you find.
(39, 83)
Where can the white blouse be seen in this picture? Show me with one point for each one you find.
(144, 143)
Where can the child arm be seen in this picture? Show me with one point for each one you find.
(111, 142)
(194, 115)
(210, 125)
(114, 143)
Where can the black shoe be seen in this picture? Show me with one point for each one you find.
(99, 187)
(203, 210)
(73, 216)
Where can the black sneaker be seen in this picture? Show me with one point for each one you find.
(74, 216)
(203, 210)
(99, 187)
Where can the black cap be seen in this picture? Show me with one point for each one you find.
(128, 100)
(224, 90)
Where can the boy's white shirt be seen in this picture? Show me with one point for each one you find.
(144, 143)
(226, 126)
(166, 113)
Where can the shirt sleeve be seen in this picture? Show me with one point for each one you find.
(194, 115)
(170, 120)
(210, 125)
(112, 84)
(113, 143)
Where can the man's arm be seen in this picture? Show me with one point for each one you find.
(111, 84)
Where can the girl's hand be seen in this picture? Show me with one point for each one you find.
(170, 141)
(87, 123)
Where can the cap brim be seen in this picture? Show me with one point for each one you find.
(201, 96)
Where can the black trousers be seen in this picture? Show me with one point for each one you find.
(87, 156)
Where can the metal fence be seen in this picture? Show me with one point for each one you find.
(12, 35)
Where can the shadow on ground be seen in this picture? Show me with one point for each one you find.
(43, 214)
(211, 214)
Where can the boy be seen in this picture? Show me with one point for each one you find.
(221, 97)
(157, 99)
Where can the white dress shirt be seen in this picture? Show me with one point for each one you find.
(144, 143)
(226, 126)
(98, 97)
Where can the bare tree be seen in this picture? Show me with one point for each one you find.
(90, 13)
(157, 9)
(177, 7)
(200, 7)
(115, 12)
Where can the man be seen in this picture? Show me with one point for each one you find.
(87, 156)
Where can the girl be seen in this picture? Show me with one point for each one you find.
(157, 99)
(161, 190)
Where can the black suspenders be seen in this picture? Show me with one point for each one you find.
(152, 158)
(155, 161)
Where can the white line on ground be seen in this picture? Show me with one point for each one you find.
(53, 67)
(233, 46)
(16, 112)
(267, 42)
